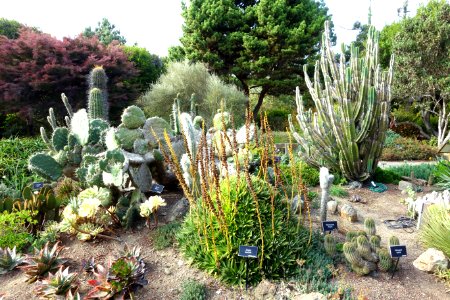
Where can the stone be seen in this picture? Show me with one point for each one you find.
(178, 210)
(265, 290)
(167, 271)
(141, 177)
(295, 205)
(349, 213)
(405, 185)
(354, 185)
(332, 206)
(133, 158)
(159, 125)
(310, 296)
(430, 260)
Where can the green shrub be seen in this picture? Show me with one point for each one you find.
(386, 176)
(422, 171)
(13, 229)
(338, 191)
(164, 236)
(280, 137)
(310, 175)
(278, 119)
(408, 149)
(212, 233)
(442, 174)
(193, 290)
(435, 230)
(391, 138)
(184, 79)
(14, 154)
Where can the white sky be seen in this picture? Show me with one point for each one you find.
(156, 24)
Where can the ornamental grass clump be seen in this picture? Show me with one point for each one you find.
(231, 205)
(435, 230)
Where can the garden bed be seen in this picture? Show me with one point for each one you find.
(167, 270)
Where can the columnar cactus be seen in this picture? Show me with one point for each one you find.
(369, 226)
(330, 244)
(352, 101)
(98, 97)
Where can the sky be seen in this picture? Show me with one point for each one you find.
(157, 24)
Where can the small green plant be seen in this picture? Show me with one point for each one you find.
(442, 174)
(435, 230)
(422, 171)
(119, 280)
(9, 260)
(193, 290)
(59, 284)
(43, 261)
(50, 234)
(14, 229)
(67, 188)
(309, 175)
(386, 176)
(338, 191)
(443, 275)
(164, 236)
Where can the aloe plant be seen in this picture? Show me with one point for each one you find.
(352, 101)
(58, 284)
(44, 261)
(9, 260)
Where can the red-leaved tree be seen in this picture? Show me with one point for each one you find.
(36, 68)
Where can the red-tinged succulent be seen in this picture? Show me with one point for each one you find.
(59, 284)
(119, 280)
(43, 262)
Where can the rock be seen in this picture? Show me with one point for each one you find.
(167, 271)
(349, 213)
(265, 290)
(295, 205)
(310, 296)
(354, 185)
(332, 206)
(405, 185)
(178, 210)
(159, 125)
(133, 158)
(430, 260)
(141, 177)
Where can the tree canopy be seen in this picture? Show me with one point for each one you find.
(422, 51)
(106, 33)
(36, 68)
(261, 45)
(10, 28)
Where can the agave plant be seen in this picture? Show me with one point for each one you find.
(119, 280)
(43, 262)
(59, 284)
(9, 259)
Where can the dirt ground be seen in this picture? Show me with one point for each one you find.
(167, 270)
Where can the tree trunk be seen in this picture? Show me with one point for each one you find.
(258, 105)
(426, 121)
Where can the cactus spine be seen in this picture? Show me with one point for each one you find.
(352, 103)
(369, 226)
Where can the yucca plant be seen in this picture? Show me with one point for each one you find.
(119, 280)
(43, 262)
(9, 259)
(58, 284)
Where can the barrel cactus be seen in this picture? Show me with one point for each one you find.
(369, 226)
(385, 262)
(394, 241)
(347, 129)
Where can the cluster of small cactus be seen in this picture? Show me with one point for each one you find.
(363, 250)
